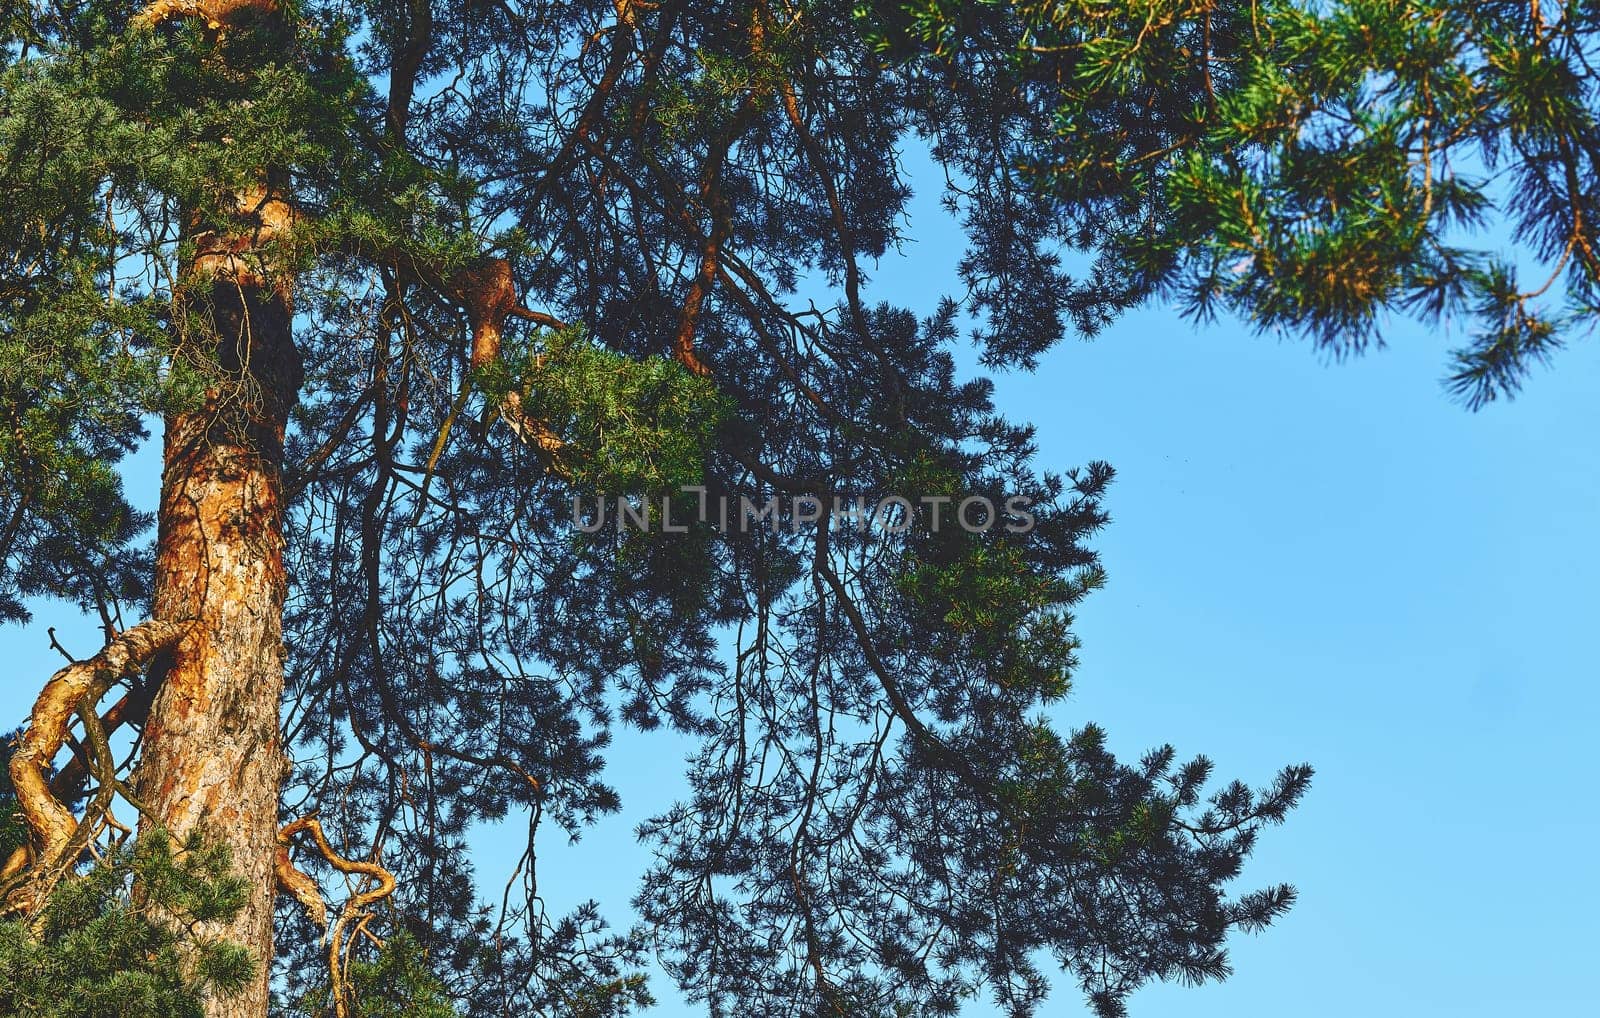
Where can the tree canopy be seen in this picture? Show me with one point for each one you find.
(558, 250)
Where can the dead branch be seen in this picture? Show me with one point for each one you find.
(55, 645)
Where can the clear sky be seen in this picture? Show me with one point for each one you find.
(1329, 563)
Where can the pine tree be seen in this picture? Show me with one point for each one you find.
(401, 280)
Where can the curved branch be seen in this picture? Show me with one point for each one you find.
(303, 888)
(76, 688)
(298, 884)
(489, 294)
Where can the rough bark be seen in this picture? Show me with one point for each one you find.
(212, 761)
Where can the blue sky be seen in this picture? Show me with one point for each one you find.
(1330, 563)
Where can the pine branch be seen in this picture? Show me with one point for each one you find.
(77, 688)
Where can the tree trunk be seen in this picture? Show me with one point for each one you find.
(212, 760)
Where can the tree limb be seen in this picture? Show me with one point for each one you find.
(305, 891)
(76, 688)
(215, 13)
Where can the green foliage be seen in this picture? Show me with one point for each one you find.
(119, 941)
(103, 139)
(77, 368)
(976, 597)
(995, 608)
(1311, 167)
(395, 982)
(635, 425)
